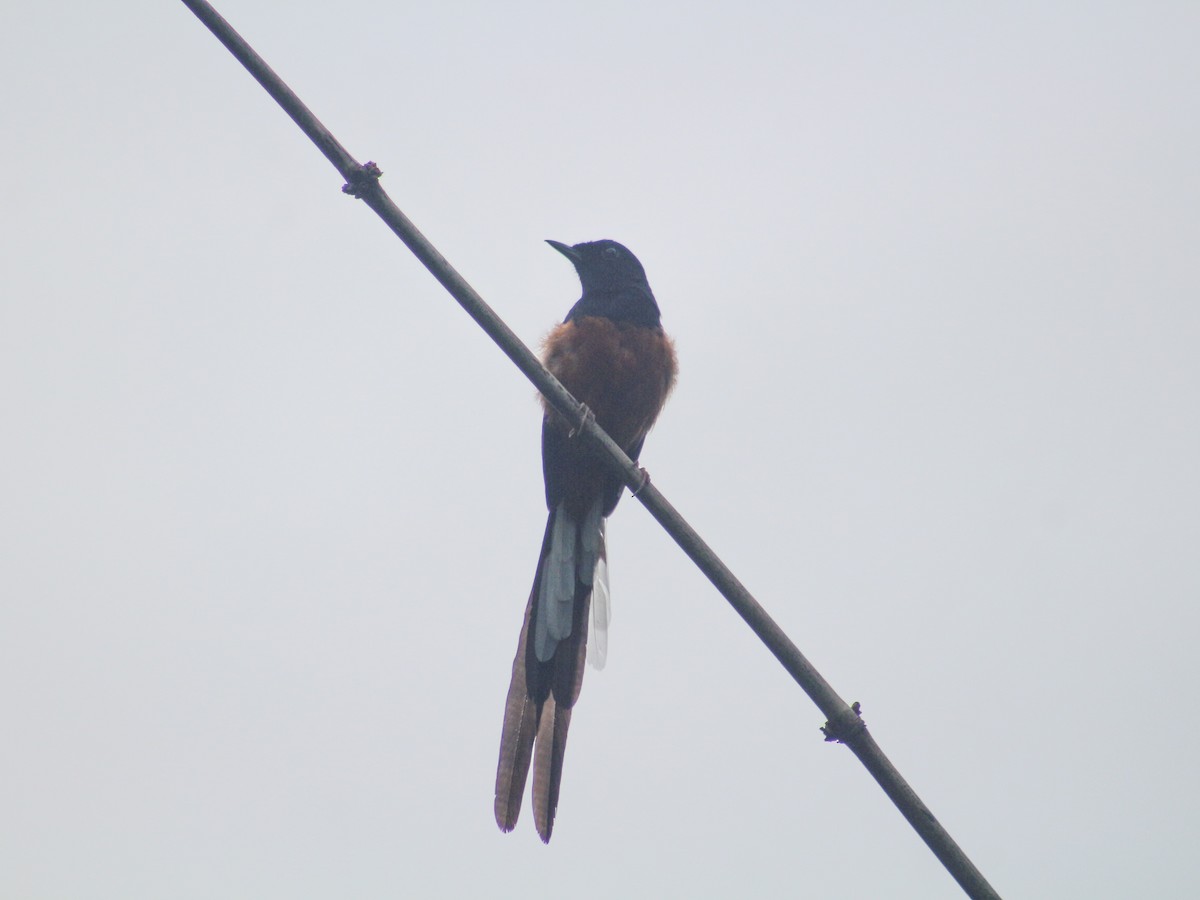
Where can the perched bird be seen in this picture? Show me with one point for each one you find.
(612, 355)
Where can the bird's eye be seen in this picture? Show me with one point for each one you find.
(612, 252)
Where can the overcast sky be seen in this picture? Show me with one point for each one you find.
(271, 502)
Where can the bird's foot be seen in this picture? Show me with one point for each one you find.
(642, 484)
(585, 415)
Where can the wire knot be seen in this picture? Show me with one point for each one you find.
(362, 179)
(847, 725)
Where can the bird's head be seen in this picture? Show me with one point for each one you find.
(603, 266)
(614, 283)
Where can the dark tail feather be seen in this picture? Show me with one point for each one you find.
(537, 674)
(547, 765)
(555, 717)
(516, 739)
(571, 654)
(538, 711)
(562, 674)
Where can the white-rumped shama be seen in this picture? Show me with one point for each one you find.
(612, 355)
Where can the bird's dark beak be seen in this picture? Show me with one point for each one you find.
(569, 252)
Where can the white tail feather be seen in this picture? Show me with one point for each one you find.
(597, 649)
(556, 598)
(577, 553)
(591, 543)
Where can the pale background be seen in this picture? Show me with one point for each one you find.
(271, 502)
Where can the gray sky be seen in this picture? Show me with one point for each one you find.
(271, 502)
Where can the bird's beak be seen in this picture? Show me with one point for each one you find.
(569, 252)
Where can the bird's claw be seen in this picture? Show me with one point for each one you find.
(642, 484)
(585, 415)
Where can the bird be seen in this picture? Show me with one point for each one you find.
(613, 356)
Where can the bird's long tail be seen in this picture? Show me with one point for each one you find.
(548, 669)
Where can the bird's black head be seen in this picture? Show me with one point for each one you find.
(614, 283)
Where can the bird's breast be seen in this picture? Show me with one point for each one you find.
(622, 372)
